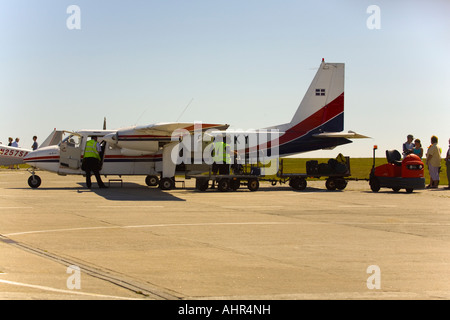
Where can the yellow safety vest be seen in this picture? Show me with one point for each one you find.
(220, 153)
(91, 150)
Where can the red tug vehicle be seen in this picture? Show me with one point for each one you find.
(397, 174)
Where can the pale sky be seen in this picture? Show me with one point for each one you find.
(241, 62)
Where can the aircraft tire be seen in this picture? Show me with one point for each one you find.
(34, 181)
(167, 184)
(152, 181)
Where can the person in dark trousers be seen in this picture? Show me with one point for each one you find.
(92, 162)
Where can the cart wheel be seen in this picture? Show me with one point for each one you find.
(235, 184)
(253, 184)
(201, 184)
(374, 184)
(330, 184)
(223, 185)
(34, 181)
(167, 184)
(152, 181)
(341, 184)
(409, 190)
(298, 183)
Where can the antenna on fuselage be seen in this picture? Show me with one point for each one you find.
(185, 109)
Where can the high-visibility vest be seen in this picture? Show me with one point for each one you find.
(91, 150)
(220, 153)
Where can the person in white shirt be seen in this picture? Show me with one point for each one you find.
(408, 146)
(15, 144)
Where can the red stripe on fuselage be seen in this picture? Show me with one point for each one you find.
(318, 118)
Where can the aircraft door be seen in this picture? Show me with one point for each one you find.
(70, 152)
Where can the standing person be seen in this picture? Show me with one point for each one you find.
(92, 162)
(447, 163)
(222, 157)
(15, 144)
(418, 150)
(434, 162)
(10, 142)
(408, 146)
(35, 144)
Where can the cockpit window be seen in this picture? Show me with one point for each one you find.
(72, 140)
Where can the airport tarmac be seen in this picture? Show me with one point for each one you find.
(131, 241)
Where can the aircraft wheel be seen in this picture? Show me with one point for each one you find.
(330, 184)
(152, 181)
(253, 184)
(34, 181)
(224, 185)
(167, 184)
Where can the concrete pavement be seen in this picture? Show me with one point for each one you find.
(138, 242)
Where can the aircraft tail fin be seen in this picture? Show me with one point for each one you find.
(53, 139)
(322, 107)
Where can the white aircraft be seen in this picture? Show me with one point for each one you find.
(146, 150)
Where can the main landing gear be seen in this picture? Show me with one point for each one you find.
(163, 184)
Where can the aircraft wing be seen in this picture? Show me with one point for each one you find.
(11, 156)
(168, 128)
(150, 138)
(347, 135)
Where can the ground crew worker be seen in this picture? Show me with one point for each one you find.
(222, 158)
(92, 162)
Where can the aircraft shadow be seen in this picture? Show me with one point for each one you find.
(117, 192)
(129, 191)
